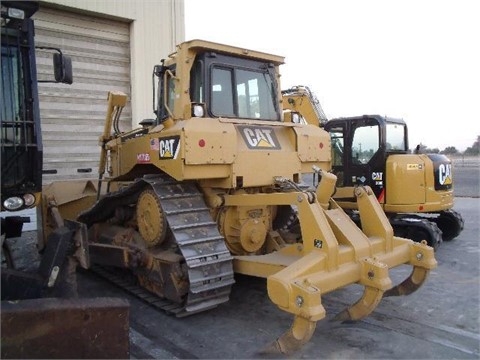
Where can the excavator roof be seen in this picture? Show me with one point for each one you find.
(379, 118)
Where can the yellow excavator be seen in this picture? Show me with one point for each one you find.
(415, 190)
(198, 194)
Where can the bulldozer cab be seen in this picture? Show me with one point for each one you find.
(220, 86)
(360, 147)
(218, 116)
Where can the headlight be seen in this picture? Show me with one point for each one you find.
(198, 110)
(13, 203)
(29, 199)
(16, 13)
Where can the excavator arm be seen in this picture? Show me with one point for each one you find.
(304, 102)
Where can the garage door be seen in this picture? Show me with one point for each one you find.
(73, 115)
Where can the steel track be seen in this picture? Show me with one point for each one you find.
(208, 261)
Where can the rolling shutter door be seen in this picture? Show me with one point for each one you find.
(73, 116)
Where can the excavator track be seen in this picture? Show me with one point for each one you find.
(418, 229)
(450, 222)
(207, 259)
(412, 226)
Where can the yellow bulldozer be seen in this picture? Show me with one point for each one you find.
(415, 190)
(197, 194)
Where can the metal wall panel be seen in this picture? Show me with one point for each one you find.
(73, 115)
(156, 27)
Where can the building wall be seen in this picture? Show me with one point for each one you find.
(155, 28)
(73, 115)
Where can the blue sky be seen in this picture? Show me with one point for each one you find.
(416, 60)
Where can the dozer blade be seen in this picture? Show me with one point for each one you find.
(363, 307)
(54, 328)
(293, 339)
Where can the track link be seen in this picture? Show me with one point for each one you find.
(126, 281)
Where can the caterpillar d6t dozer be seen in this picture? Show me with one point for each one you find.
(199, 193)
(414, 190)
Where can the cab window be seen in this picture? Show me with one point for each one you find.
(365, 143)
(242, 93)
(396, 137)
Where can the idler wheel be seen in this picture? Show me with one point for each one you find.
(152, 224)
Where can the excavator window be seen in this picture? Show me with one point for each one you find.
(396, 136)
(365, 143)
(337, 147)
(338, 141)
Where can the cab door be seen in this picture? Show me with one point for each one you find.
(358, 156)
(367, 155)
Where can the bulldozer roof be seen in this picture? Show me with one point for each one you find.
(197, 44)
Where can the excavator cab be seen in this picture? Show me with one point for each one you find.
(360, 149)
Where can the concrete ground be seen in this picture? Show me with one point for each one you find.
(439, 321)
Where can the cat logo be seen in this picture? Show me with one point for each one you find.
(259, 137)
(169, 147)
(445, 174)
(377, 176)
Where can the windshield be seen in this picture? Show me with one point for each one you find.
(11, 93)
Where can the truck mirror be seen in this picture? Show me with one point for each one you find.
(62, 66)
